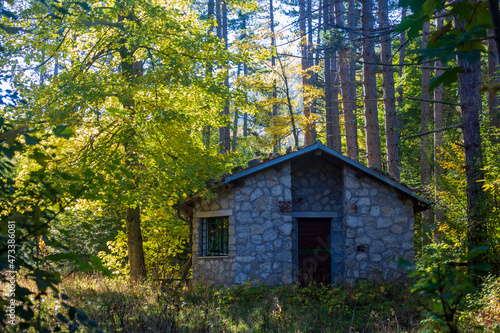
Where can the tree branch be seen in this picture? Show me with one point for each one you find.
(430, 132)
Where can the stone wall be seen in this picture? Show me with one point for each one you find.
(214, 270)
(260, 232)
(378, 229)
(316, 187)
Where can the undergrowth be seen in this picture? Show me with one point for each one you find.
(365, 307)
(252, 307)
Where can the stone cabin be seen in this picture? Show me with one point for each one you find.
(310, 215)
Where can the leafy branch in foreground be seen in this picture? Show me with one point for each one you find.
(29, 204)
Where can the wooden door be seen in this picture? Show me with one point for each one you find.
(314, 250)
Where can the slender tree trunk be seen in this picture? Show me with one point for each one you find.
(304, 45)
(438, 136)
(224, 132)
(245, 115)
(426, 147)
(236, 117)
(391, 123)
(328, 78)
(273, 64)
(469, 83)
(289, 104)
(310, 59)
(333, 138)
(402, 53)
(351, 123)
(370, 87)
(133, 212)
(211, 16)
(493, 100)
(345, 87)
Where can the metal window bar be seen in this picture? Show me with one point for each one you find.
(215, 236)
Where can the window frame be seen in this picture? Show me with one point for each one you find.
(214, 240)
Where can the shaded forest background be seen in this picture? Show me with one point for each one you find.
(114, 111)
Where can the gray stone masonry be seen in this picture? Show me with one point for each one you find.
(378, 229)
(317, 187)
(372, 225)
(260, 234)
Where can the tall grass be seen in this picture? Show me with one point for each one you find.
(150, 307)
(253, 307)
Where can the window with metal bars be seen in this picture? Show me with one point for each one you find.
(214, 236)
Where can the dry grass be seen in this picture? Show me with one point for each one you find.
(147, 307)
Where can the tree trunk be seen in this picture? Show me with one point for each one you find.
(493, 100)
(289, 104)
(370, 87)
(273, 64)
(469, 83)
(305, 81)
(391, 123)
(331, 87)
(211, 16)
(224, 132)
(426, 147)
(133, 212)
(310, 60)
(438, 136)
(351, 123)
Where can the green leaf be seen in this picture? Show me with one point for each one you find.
(477, 251)
(85, 6)
(63, 131)
(99, 266)
(72, 313)
(60, 317)
(30, 140)
(448, 77)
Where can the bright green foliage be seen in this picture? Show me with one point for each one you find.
(460, 37)
(65, 62)
(443, 278)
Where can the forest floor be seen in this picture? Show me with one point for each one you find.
(366, 307)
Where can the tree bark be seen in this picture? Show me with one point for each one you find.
(211, 16)
(426, 144)
(333, 138)
(310, 59)
(351, 123)
(469, 83)
(438, 136)
(402, 52)
(374, 158)
(133, 212)
(493, 100)
(304, 45)
(391, 123)
(273, 64)
(224, 131)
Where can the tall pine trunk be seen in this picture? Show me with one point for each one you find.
(469, 83)
(350, 108)
(304, 46)
(426, 144)
(374, 157)
(224, 131)
(493, 100)
(333, 138)
(391, 122)
(345, 86)
(438, 136)
(273, 64)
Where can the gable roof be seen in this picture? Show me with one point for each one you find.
(335, 156)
